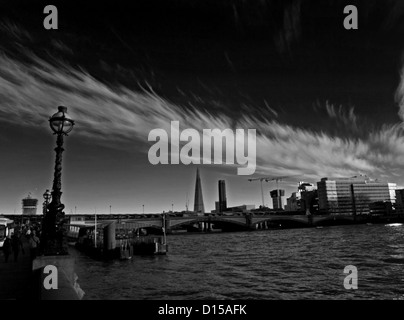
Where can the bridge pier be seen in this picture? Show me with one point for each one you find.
(110, 237)
(261, 226)
(166, 224)
(310, 220)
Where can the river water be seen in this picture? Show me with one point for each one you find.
(259, 265)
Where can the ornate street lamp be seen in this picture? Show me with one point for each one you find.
(47, 196)
(53, 232)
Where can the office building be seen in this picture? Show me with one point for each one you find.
(309, 202)
(400, 201)
(305, 199)
(222, 196)
(293, 203)
(278, 199)
(29, 205)
(244, 208)
(352, 196)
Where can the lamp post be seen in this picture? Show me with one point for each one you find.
(47, 196)
(53, 230)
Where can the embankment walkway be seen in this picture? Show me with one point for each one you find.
(16, 276)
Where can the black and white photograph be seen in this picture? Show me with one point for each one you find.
(201, 153)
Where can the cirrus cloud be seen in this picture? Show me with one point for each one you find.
(114, 113)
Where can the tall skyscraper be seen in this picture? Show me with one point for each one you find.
(198, 201)
(222, 196)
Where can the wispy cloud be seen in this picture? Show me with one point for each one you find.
(348, 118)
(30, 91)
(400, 93)
(14, 31)
(291, 28)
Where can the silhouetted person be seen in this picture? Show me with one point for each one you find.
(7, 248)
(16, 244)
(33, 245)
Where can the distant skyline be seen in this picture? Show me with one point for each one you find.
(326, 102)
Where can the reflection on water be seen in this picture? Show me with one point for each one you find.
(269, 264)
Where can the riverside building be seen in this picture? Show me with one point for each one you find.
(400, 201)
(305, 199)
(278, 198)
(353, 196)
(29, 205)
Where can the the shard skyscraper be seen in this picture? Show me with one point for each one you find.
(198, 201)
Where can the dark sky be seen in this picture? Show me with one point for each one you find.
(325, 101)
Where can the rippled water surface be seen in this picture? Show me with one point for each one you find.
(269, 264)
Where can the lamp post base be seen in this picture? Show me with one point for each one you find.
(54, 248)
(54, 237)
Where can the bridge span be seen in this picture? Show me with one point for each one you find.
(209, 221)
(206, 222)
(246, 221)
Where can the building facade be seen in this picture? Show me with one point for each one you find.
(352, 196)
(243, 208)
(293, 203)
(29, 205)
(277, 199)
(309, 201)
(305, 199)
(400, 201)
(222, 196)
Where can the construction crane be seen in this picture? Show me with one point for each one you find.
(268, 179)
(262, 190)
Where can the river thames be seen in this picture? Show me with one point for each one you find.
(269, 264)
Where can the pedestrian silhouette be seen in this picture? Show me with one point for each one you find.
(7, 248)
(33, 244)
(16, 245)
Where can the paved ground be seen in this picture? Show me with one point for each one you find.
(16, 277)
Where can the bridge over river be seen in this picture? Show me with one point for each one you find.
(208, 221)
(237, 221)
